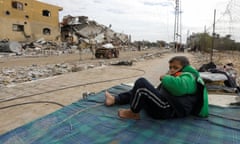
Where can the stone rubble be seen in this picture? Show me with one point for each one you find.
(11, 76)
(35, 72)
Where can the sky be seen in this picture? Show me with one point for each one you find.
(149, 20)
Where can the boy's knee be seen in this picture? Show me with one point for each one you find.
(141, 81)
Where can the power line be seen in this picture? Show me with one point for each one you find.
(228, 22)
(177, 23)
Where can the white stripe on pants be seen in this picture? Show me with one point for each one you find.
(141, 92)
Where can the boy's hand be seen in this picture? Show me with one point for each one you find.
(161, 77)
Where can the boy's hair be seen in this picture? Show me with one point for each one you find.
(182, 59)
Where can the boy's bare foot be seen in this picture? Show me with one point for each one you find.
(128, 114)
(109, 99)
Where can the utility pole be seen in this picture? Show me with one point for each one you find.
(180, 19)
(213, 36)
(205, 39)
(175, 21)
(177, 25)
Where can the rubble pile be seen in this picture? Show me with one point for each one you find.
(40, 47)
(11, 76)
(85, 33)
(24, 74)
(77, 33)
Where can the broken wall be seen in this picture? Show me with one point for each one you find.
(26, 20)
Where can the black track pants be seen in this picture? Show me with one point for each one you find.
(145, 96)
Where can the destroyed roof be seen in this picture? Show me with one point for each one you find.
(84, 28)
(75, 20)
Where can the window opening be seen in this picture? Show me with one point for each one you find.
(46, 13)
(46, 31)
(17, 5)
(17, 27)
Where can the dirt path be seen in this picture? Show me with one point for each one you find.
(66, 58)
(68, 88)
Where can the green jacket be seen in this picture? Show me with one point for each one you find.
(185, 84)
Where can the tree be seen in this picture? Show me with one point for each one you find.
(203, 41)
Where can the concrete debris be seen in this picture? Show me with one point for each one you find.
(11, 76)
(35, 72)
(41, 44)
(87, 33)
(10, 46)
(40, 47)
(77, 33)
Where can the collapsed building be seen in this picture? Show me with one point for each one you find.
(85, 33)
(36, 24)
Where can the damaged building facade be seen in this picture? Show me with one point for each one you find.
(28, 20)
(79, 30)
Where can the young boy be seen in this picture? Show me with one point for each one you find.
(181, 93)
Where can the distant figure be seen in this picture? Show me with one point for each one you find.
(92, 49)
(139, 47)
(177, 47)
(181, 93)
(182, 48)
(194, 48)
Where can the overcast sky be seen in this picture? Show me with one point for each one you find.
(145, 19)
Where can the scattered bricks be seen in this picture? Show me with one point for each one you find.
(7, 80)
(9, 72)
(34, 72)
